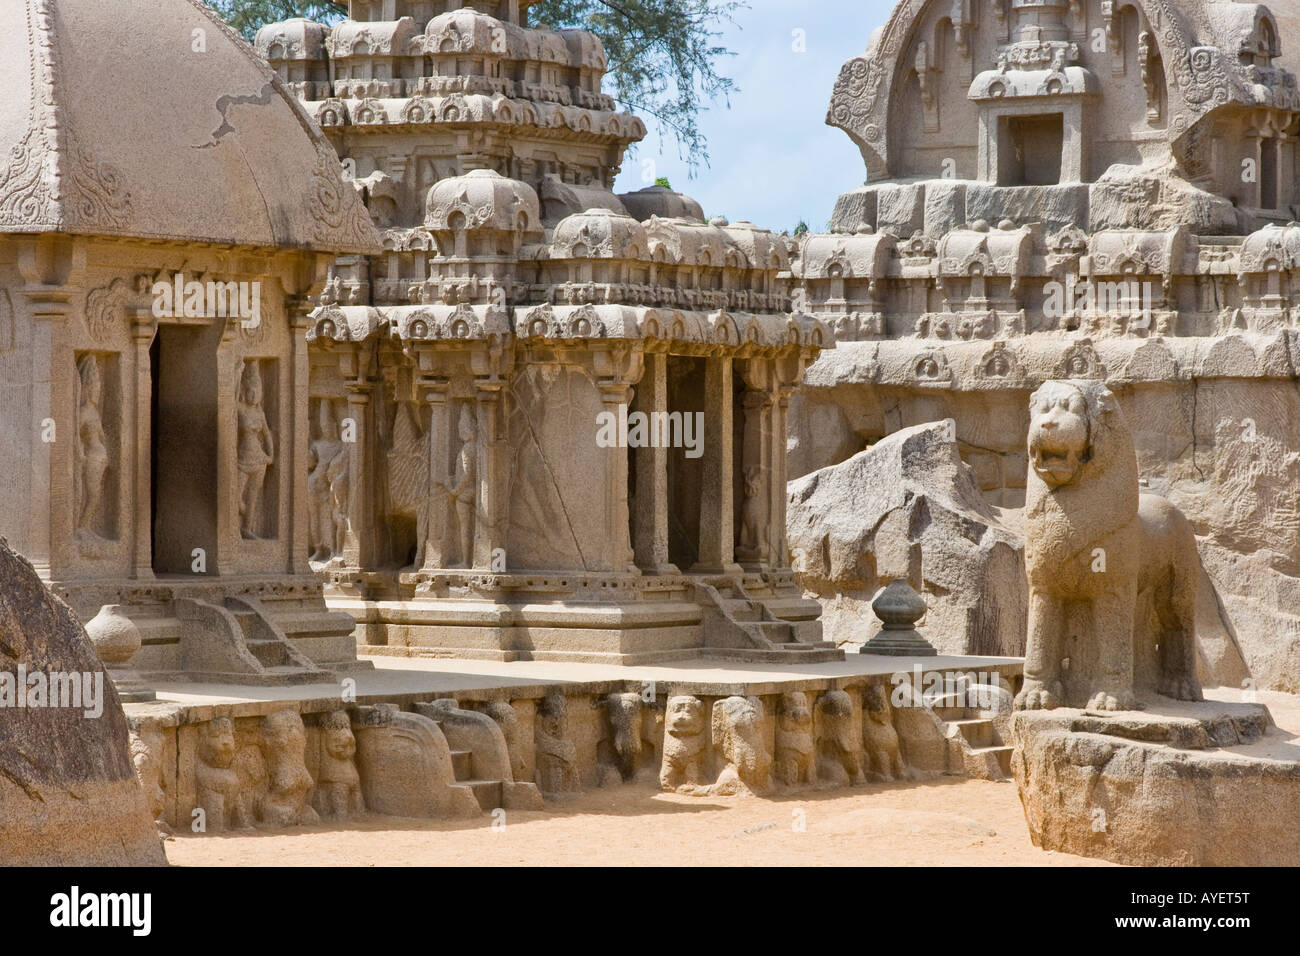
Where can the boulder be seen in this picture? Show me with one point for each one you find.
(68, 790)
(855, 526)
(1182, 784)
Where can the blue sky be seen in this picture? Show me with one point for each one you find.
(773, 159)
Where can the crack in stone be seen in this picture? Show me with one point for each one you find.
(263, 97)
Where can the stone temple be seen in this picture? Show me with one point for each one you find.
(360, 378)
(517, 304)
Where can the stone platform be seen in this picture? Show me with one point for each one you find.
(449, 737)
(1214, 783)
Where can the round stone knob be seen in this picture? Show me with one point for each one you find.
(114, 635)
(898, 606)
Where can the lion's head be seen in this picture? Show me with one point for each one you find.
(1066, 419)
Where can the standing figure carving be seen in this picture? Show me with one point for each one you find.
(256, 450)
(464, 487)
(327, 487)
(91, 447)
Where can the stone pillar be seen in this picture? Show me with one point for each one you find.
(293, 446)
(489, 528)
(717, 520)
(650, 520)
(138, 393)
(435, 392)
(757, 457)
(359, 543)
(615, 397)
(788, 371)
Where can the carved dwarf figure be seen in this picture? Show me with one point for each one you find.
(256, 450)
(682, 765)
(338, 785)
(557, 757)
(738, 739)
(289, 784)
(795, 763)
(1101, 559)
(879, 736)
(839, 744)
(220, 792)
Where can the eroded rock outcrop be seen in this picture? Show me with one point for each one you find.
(68, 791)
(855, 526)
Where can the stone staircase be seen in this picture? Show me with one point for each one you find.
(737, 624)
(975, 738)
(490, 794)
(480, 759)
(237, 641)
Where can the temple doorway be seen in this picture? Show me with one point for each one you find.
(183, 449)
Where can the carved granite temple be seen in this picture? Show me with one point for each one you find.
(1070, 189)
(152, 337)
(476, 504)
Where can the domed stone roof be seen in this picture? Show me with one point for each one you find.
(600, 234)
(157, 121)
(486, 200)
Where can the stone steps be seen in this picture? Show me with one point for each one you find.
(460, 764)
(979, 731)
(1000, 753)
(489, 793)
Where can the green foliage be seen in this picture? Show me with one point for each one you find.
(800, 229)
(247, 16)
(663, 181)
(662, 57)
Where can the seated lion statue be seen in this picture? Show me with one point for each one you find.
(1112, 572)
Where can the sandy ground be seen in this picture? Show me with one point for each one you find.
(946, 822)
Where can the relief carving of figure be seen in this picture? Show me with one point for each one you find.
(879, 736)
(682, 766)
(507, 719)
(92, 458)
(219, 790)
(464, 485)
(338, 787)
(839, 745)
(795, 763)
(629, 746)
(256, 450)
(738, 738)
(146, 758)
(557, 757)
(285, 802)
(327, 487)
(751, 515)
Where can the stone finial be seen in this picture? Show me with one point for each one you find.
(899, 607)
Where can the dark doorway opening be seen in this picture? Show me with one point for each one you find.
(183, 448)
(1029, 150)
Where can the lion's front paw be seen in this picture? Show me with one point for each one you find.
(1038, 695)
(1104, 701)
(1181, 688)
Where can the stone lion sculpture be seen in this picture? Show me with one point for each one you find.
(1112, 573)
